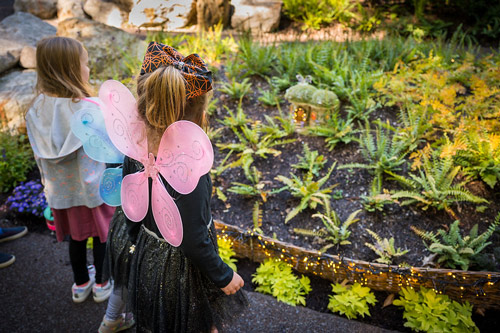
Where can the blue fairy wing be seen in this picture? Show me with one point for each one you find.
(110, 186)
(88, 125)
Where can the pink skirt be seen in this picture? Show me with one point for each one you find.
(81, 222)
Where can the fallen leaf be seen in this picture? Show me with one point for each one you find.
(388, 300)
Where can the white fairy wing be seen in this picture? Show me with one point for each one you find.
(88, 126)
(184, 155)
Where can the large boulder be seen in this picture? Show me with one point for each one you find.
(17, 31)
(9, 53)
(211, 12)
(27, 59)
(69, 8)
(108, 47)
(25, 28)
(17, 91)
(44, 9)
(171, 14)
(255, 15)
(106, 12)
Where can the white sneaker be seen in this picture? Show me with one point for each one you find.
(102, 292)
(80, 294)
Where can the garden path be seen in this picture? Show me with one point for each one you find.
(35, 297)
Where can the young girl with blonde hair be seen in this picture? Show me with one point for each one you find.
(184, 288)
(69, 177)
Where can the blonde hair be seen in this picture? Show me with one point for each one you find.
(161, 97)
(58, 67)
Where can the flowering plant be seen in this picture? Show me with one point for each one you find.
(28, 197)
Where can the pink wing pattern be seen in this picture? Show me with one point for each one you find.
(183, 162)
(185, 154)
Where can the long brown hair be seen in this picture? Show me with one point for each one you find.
(161, 97)
(195, 110)
(58, 67)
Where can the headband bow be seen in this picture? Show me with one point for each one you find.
(193, 68)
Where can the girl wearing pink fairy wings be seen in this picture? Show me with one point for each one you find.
(177, 281)
(69, 176)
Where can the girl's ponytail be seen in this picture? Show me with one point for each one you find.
(161, 97)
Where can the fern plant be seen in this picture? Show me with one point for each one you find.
(377, 199)
(251, 144)
(335, 231)
(270, 97)
(426, 311)
(257, 218)
(382, 153)
(308, 190)
(237, 119)
(236, 90)
(351, 301)
(276, 278)
(278, 129)
(257, 59)
(310, 161)
(335, 131)
(453, 249)
(256, 189)
(480, 156)
(433, 186)
(384, 248)
(226, 252)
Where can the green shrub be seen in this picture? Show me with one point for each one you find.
(351, 301)
(16, 159)
(276, 278)
(316, 13)
(426, 311)
(453, 249)
(226, 252)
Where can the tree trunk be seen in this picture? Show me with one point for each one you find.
(211, 12)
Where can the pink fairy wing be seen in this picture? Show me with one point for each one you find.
(166, 214)
(125, 129)
(184, 155)
(135, 196)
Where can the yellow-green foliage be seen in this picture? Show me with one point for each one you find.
(426, 311)
(226, 252)
(276, 278)
(461, 97)
(351, 301)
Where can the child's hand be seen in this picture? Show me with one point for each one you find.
(235, 284)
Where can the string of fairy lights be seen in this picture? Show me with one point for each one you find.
(366, 273)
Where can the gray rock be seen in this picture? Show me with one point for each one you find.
(171, 14)
(69, 8)
(44, 9)
(255, 15)
(107, 46)
(25, 28)
(17, 90)
(9, 53)
(28, 57)
(106, 12)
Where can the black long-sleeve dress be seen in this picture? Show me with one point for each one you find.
(177, 289)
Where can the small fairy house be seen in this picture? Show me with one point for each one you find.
(309, 105)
